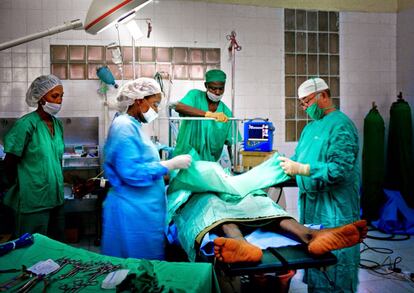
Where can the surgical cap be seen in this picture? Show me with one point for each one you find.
(215, 75)
(311, 86)
(40, 87)
(136, 89)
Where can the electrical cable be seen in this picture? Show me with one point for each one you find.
(388, 268)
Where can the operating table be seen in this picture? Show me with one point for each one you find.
(277, 260)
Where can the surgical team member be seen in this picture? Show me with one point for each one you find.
(134, 211)
(327, 171)
(206, 137)
(34, 148)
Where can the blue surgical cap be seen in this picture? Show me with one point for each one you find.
(40, 87)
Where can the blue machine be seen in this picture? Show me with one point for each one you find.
(258, 135)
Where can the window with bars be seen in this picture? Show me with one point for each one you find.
(79, 62)
(311, 50)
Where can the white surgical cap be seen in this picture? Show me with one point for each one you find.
(40, 87)
(311, 86)
(135, 90)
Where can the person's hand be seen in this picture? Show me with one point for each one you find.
(178, 162)
(294, 168)
(219, 116)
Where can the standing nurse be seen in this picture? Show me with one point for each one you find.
(206, 137)
(134, 211)
(327, 171)
(34, 148)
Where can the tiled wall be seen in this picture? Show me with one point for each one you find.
(368, 64)
(367, 46)
(405, 56)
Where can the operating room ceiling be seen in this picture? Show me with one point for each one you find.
(332, 5)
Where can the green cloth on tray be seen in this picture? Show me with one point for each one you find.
(179, 277)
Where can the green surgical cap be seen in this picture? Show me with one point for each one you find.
(215, 75)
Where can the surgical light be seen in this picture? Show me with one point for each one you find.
(101, 15)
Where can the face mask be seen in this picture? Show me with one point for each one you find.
(51, 108)
(213, 97)
(150, 115)
(315, 112)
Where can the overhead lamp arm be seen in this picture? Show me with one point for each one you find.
(101, 15)
(73, 24)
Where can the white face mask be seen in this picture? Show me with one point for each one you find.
(51, 108)
(150, 115)
(213, 97)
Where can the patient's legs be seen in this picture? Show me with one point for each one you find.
(235, 248)
(322, 241)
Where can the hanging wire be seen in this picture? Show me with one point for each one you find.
(121, 65)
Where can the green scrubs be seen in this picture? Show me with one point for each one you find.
(206, 137)
(39, 183)
(329, 196)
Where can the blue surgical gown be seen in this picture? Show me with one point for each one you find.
(329, 196)
(135, 209)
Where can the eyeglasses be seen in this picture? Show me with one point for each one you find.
(216, 88)
(305, 101)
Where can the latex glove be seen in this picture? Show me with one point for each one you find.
(178, 162)
(219, 116)
(294, 168)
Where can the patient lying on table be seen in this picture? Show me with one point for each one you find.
(204, 198)
(234, 247)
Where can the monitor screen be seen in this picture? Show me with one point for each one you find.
(259, 132)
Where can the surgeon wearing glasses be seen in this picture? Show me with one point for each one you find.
(134, 211)
(326, 167)
(209, 136)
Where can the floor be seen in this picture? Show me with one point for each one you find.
(386, 252)
(371, 282)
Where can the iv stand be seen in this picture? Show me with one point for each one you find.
(233, 47)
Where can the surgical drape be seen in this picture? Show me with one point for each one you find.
(206, 137)
(329, 196)
(204, 196)
(135, 208)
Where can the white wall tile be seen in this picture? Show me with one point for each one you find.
(5, 59)
(19, 89)
(35, 60)
(404, 56)
(5, 90)
(33, 73)
(5, 74)
(19, 60)
(19, 74)
(368, 46)
(6, 4)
